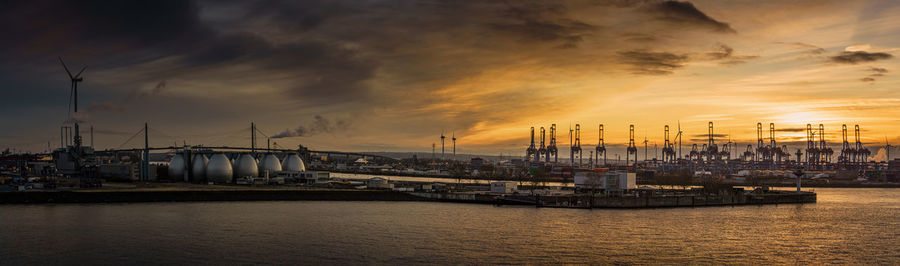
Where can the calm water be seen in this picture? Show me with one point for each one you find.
(845, 226)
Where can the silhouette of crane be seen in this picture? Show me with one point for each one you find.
(601, 147)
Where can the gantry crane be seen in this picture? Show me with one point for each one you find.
(576, 145)
(847, 151)
(712, 151)
(812, 151)
(761, 150)
(542, 151)
(825, 152)
(552, 149)
(632, 149)
(862, 154)
(531, 151)
(668, 148)
(601, 147)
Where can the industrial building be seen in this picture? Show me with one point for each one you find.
(617, 181)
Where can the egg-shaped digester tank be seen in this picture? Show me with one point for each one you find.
(269, 164)
(198, 169)
(246, 166)
(219, 169)
(293, 163)
(176, 167)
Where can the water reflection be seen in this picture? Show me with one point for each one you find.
(846, 226)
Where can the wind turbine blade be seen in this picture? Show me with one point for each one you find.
(79, 72)
(64, 66)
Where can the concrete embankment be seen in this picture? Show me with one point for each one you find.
(99, 196)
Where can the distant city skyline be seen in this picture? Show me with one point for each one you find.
(392, 76)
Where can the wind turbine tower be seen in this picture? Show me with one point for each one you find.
(454, 146)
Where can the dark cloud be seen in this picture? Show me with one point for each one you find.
(541, 22)
(296, 16)
(568, 32)
(722, 51)
(135, 33)
(859, 57)
(640, 37)
(318, 125)
(686, 14)
(726, 54)
(878, 70)
(732, 62)
(645, 62)
(812, 49)
(792, 129)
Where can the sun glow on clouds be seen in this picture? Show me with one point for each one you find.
(404, 72)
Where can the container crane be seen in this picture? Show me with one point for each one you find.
(601, 147)
(531, 151)
(847, 151)
(712, 150)
(552, 149)
(825, 152)
(632, 149)
(542, 151)
(576, 145)
(862, 153)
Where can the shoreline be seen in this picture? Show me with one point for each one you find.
(288, 194)
(138, 196)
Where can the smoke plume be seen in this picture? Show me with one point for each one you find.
(318, 125)
(879, 156)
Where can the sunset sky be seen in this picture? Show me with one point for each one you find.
(393, 75)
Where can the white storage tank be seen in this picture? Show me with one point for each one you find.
(198, 169)
(219, 169)
(269, 164)
(176, 167)
(293, 163)
(246, 166)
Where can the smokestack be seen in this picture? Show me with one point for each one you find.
(253, 138)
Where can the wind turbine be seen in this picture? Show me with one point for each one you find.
(73, 88)
(678, 136)
(887, 147)
(645, 146)
(454, 145)
(73, 98)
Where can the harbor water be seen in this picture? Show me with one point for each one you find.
(859, 225)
